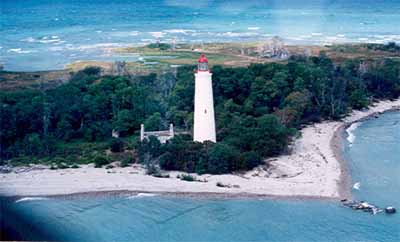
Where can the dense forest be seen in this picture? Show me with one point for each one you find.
(258, 110)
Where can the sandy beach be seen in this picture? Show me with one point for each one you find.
(315, 168)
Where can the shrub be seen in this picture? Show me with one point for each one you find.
(187, 177)
(109, 167)
(152, 170)
(100, 161)
(160, 175)
(126, 162)
(62, 166)
(75, 166)
(161, 46)
(221, 158)
(249, 160)
(220, 184)
(116, 145)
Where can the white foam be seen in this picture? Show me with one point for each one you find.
(316, 34)
(48, 41)
(95, 46)
(124, 33)
(26, 199)
(363, 39)
(296, 38)
(56, 48)
(157, 34)
(139, 195)
(133, 33)
(29, 39)
(253, 28)
(179, 31)
(351, 137)
(235, 34)
(20, 51)
(305, 36)
(356, 186)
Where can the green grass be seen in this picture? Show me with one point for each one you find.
(184, 55)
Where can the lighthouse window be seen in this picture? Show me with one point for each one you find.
(205, 110)
(203, 67)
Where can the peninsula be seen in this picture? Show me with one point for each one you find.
(258, 110)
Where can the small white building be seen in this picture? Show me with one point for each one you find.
(162, 135)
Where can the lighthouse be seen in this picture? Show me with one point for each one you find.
(204, 120)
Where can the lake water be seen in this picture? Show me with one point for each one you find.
(47, 34)
(374, 162)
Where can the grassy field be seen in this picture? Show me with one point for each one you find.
(159, 58)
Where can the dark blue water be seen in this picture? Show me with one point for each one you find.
(47, 34)
(374, 161)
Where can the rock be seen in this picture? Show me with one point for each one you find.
(390, 210)
(5, 169)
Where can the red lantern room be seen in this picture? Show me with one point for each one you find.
(202, 63)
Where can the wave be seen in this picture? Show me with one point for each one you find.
(124, 33)
(21, 51)
(357, 185)
(29, 39)
(26, 199)
(48, 41)
(350, 135)
(95, 46)
(55, 39)
(363, 39)
(316, 34)
(157, 34)
(236, 34)
(179, 31)
(142, 195)
(253, 28)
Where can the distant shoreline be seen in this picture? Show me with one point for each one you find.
(316, 169)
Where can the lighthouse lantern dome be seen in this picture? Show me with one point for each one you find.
(203, 63)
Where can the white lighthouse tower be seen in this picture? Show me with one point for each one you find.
(204, 120)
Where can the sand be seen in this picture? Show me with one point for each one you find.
(314, 169)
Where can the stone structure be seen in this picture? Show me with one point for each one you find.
(162, 135)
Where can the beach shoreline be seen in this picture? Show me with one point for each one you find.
(315, 169)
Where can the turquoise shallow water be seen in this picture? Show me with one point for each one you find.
(374, 162)
(47, 34)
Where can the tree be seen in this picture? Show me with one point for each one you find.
(358, 99)
(269, 137)
(153, 122)
(295, 105)
(125, 122)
